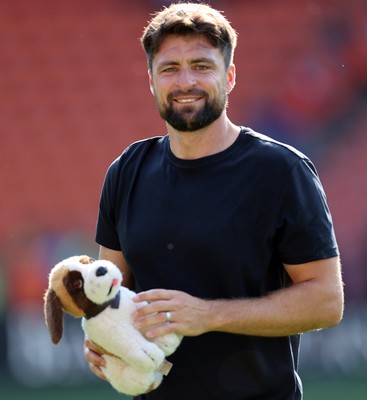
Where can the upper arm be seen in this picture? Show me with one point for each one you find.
(324, 282)
(327, 270)
(119, 260)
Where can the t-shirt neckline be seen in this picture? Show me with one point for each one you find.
(198, 162)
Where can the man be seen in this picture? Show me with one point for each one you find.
(223, 231)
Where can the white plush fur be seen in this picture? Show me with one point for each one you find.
(133, 362)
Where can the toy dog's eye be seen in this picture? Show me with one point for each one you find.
(76, 284)
(74, 281)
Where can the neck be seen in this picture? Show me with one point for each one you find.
(208, 141)
(96, 309)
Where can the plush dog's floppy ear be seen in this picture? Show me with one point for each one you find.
(53, 315)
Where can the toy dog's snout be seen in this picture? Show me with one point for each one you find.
(101, 271)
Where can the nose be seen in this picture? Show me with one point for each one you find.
(101, 271)
(186, 78)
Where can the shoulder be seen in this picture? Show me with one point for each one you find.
(143, 145)
(274, 155)
(269, 146)
(136, 151)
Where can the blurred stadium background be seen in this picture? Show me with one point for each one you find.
(74, 94)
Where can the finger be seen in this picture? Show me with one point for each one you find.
(154, 295)
(94, 358)
(154, 307)
(93, 346)
(93, 354)
(161, 330)
(151, 319)
(98, 372)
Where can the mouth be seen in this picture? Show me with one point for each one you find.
(189, 97)
(187, 100)
(115, 282)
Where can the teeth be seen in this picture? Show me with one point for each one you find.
(185, 100)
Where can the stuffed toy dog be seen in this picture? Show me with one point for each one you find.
(91, 289)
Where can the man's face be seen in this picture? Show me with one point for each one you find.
(189, 82)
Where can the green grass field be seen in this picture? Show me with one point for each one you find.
(314, 390)
(335, 390)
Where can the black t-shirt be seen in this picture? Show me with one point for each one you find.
(219, 227)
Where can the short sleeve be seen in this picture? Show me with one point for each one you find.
(305, 229)
(106, 232)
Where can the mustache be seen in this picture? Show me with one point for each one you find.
(190, 92)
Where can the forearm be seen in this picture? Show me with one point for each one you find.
(299, 308)
(313, 301)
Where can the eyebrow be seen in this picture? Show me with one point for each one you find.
(206, 60)
(166, 63)
(199, 60)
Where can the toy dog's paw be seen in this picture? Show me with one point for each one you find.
(168, 343)
(128, 380)
(145, 357)
(154, 356)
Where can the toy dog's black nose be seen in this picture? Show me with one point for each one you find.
(101, 271)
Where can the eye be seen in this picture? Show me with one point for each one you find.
(76, 284)
(73, 281)
(169, 70)
(201, 67)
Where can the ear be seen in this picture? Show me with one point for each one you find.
(151, 86)
(53, 315)
(231, 78)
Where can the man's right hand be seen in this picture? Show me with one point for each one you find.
(93, 355)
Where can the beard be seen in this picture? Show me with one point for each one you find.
(189, 118)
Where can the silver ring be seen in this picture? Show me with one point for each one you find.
(168, 316)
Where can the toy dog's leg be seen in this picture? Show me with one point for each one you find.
(168, 343)
(143, 355)
(135, 349)
(126, 379)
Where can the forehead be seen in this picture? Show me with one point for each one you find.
(178, 48)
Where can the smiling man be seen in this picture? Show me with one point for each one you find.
(223, 231)
(179, 65)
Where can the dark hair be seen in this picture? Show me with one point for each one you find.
(189, 19)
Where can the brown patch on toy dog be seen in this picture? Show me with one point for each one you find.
(74, 284)
(86, 260)
(57, 277)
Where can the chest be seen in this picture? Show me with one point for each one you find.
(194, 224)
